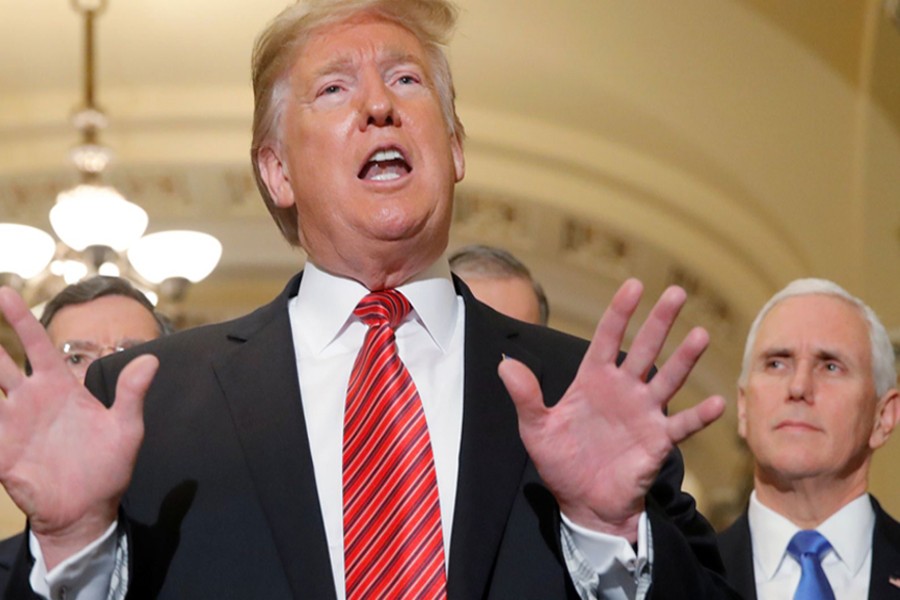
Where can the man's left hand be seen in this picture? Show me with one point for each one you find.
(599, 449)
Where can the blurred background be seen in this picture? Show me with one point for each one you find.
(727, 146)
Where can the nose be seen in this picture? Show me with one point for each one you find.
(377, 105)
(800, 386)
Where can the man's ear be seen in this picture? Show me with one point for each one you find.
(742, 412)
(275, 175)
(459, 158)
(887, 413)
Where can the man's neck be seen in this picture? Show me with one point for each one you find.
(391, 268)
(810, 501)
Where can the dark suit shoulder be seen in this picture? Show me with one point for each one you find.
(195, 347)
(736, 548)
(9, 550)
(735, 535)
(885, 523)
(15, 566)
(884, 581)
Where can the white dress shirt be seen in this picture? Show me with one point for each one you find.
(847, 566)
(327, 338)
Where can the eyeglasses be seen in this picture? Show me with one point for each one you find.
(80, 354)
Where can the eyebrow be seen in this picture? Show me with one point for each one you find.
(90, 344)
(396, 56)
(345, 63)
(340, 64)
(825, 354)
(78, 343)
(777, 352)
(820, 353)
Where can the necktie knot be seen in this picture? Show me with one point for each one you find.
(809, 543)
(388, 307)
(808, 547)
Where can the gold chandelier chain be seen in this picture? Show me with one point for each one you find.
(89, 6)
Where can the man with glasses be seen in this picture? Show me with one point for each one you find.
(99, 316)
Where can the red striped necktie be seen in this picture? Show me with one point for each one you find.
(393, 543)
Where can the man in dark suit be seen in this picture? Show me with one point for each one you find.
(817, 396)
(545, 467)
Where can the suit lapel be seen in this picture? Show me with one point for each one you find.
(736, 548)
(268, 417)
(884, 582)
(492, 456)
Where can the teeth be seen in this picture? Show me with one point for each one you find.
(387, 176)
(382, 155)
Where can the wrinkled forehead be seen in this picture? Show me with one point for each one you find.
(105, 319)
(820, 322)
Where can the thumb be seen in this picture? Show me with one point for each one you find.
(134, 381)
(523, 388)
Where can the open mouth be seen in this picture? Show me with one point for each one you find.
(385, 165)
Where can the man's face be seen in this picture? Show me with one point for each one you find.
(87, 331)
(365, 152)
(512, 296)
(809, 408)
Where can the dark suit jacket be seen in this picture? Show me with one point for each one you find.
(737, 553)
(223, 502)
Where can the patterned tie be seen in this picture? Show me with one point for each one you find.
(808, 547)
(393, 543)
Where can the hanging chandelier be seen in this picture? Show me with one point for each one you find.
(98, 230)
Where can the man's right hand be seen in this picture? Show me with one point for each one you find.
(65, 459)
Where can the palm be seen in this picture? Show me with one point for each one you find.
(65, 459)
(600, 448)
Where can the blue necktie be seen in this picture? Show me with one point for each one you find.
(808, 547)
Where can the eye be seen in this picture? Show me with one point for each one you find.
(774, 363)
(407, 80)
(76, 359)
(331, 88)
(832, 367)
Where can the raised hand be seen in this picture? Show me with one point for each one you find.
(65, 459)
(600, 448)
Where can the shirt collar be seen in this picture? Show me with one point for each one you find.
(849, 531)
(325, 303)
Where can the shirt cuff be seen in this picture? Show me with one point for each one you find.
(84, 575)
(607, 566)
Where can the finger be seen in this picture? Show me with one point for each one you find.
(10, 374)
(134, 381)
(648, 342)
(523, 388)
(672, 375)
(610, 332)
(34, 338)
(686, 423)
